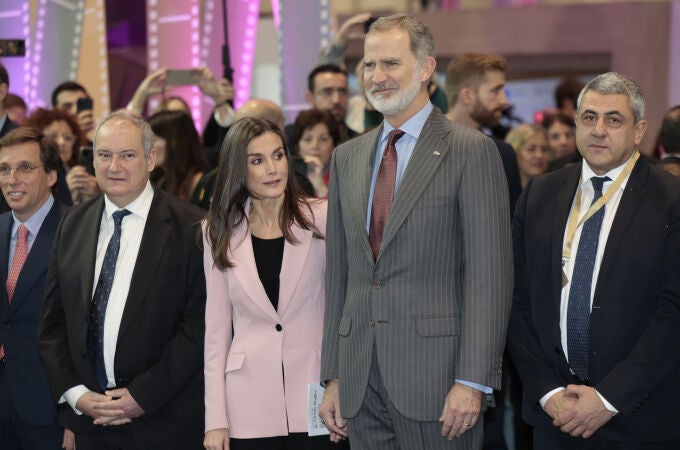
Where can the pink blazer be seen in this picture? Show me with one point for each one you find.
(245, 389)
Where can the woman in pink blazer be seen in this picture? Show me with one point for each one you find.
(264, 256)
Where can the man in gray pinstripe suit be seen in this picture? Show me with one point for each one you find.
(415, 320)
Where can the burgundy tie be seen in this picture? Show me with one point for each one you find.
(384, 192)
(20, 254)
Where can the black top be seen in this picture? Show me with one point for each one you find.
(268, 259)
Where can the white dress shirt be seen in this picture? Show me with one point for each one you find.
(132, 229)
(587, 194)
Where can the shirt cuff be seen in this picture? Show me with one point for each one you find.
(547, 396)
(479, 387)
(607, 405)
(73, 395)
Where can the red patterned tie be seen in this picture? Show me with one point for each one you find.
(20, 254)
(384, 192)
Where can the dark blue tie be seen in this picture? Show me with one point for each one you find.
(95, 329)
(578, 312)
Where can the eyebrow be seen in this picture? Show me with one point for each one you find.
(606, 113)
(280, 147)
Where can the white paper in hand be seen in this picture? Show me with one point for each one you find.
(315, 427)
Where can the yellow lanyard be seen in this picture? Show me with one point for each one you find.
(573, 223)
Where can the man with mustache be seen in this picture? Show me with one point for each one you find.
(475, 87)
(419, 264)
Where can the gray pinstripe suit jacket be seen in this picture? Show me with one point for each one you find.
(435, 304)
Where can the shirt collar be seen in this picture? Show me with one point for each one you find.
(412, 126)
(35, 221)
(139, 206)
(587, 173)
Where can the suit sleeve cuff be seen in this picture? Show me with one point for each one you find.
(607, 405)
(479, 387)
(547, 396)
(73, 395)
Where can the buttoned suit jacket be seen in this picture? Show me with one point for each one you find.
(256, 384)
(24, 370)
(159, 351)
(435, 303)
(634, 349)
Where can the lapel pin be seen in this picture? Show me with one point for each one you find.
(436, 153)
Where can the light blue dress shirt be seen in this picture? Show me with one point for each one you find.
(33, 224)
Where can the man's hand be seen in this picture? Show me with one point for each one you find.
(558, 403)
(88, 402)
(352, 28)
(119, 409)
(586, 415)
(69, 442)
(79, 181)
(329, 411)
(216, 439)
(219, 90)
(86, 123)
(461, 410)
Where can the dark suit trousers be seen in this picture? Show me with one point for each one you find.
(15, 434)
(380, 426)
(557, 440)
(294, 441)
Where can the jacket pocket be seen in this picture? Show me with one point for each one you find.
(438, 326)
(234, 362)
(345, 326)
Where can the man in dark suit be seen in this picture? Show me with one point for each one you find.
(28, 171)
(121, 331)
(595, 323)
(419, 269)
(475, 87)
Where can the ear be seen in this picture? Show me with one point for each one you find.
(151, 160)
(309, 97)
(467, 96)
(3, 91)
(640, 129)
(51, 178)
(427, 68)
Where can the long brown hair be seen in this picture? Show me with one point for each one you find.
(227, 209)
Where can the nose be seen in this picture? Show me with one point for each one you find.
(270, 166)
(378, 76)
(503, 99)
(599, 129)
(335, 97)
(13, 179)
(114, 165)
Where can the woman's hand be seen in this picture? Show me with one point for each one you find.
(216, 439)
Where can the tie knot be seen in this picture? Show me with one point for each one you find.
(118, 217)
(22, 233)
(598, 182)
(394, 136)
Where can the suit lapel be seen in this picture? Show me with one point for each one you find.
(5, 237)
(563, 201)
(419, 171)
(359, 174)
(630, 200)
(38, 258)
(156, 231)
(294, 256)
(92, 220)
(245, 269)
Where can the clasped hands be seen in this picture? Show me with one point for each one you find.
(577, 410)
(114, 407)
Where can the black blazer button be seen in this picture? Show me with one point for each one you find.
(278, 327)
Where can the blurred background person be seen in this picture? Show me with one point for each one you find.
(65, 96)
(180, 159)
(531, 146)
(316, 134)
(16, 109)
(561, 140)
(75, 181)
(264, 313)
(668, 141)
